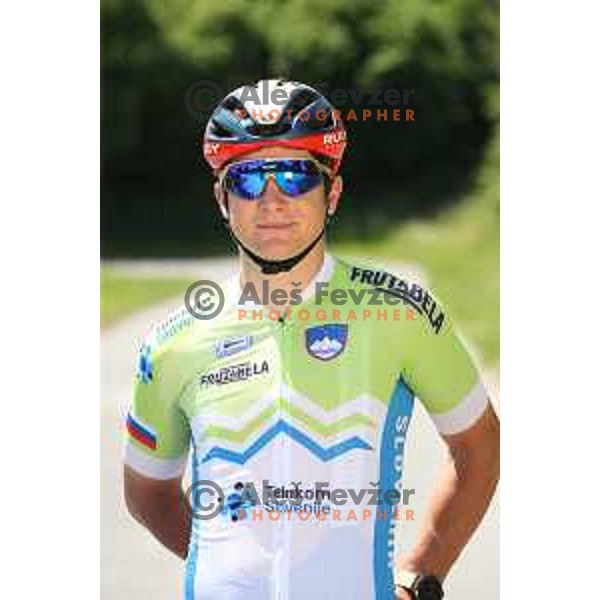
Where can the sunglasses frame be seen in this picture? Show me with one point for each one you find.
(271, 175)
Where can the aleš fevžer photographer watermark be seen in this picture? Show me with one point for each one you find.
(205, 300)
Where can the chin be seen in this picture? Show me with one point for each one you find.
(275, 254)
(277, 249)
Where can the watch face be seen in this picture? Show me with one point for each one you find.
(429, 588)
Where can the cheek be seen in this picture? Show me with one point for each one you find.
(313, 213)
(241, 212)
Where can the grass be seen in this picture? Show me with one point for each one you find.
(122, 295)
(460, 254)
(460, 251)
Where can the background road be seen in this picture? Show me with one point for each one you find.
(135, 565)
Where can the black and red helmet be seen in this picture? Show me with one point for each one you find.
(274, 112)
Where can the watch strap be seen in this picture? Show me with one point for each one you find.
(406, 579)
(416, 583)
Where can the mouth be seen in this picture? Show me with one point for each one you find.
(274, 226)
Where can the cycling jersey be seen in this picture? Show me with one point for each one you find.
(322, 394)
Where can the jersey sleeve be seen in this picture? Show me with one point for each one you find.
(441, 372)
(158, 434)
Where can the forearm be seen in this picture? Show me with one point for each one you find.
(168, 520)
(460, 499)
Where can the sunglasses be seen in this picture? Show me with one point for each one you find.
(293, 176)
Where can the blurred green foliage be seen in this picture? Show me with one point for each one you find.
(156, 199)
(122, 295)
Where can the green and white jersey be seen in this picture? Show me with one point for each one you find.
(318, 401)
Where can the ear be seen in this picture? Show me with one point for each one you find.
(335, 193)
(221, 199)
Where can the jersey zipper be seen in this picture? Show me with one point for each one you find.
(285, 471)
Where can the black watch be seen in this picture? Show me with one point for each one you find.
(421, 587)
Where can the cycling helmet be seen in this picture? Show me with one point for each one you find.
(274, 112)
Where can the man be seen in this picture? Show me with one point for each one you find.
(300, 387)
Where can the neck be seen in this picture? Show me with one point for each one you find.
(303, 273)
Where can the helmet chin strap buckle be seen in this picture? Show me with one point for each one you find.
(274, 267)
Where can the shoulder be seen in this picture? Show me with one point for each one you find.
(183, 339)
(161, 340)
(396, 285)
(169, 330)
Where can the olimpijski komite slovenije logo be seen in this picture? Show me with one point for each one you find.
(325, 342)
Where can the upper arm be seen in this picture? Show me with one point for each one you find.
(158, 435)
(481, 440)
(143, 494)
(443, 375)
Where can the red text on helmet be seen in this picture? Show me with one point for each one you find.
(210, 148)
(334, 138)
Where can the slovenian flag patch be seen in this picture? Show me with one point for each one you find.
(141, 432)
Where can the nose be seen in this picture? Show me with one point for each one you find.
(272, 198)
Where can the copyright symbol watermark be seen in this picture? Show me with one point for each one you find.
(201, 97)
(204, 499)
(204, 299)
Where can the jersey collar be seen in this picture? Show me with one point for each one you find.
(324, 275)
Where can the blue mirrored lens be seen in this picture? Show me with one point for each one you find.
(296, 184)
(246, 185)
(293, 177)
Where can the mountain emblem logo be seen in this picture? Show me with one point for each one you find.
(325, 342)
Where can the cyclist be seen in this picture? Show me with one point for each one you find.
(295, 386)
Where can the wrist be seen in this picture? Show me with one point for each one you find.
(417, 586)
(403, 594)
